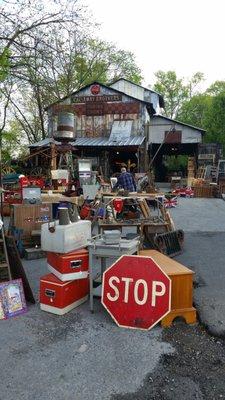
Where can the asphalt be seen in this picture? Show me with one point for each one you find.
(73, 357)
(86, 356)
(203, 221)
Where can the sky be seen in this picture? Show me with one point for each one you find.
(185, 36)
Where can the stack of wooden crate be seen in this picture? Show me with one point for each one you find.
(191, 169)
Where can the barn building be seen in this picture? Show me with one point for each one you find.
(121, 125)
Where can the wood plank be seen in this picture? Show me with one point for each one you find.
(169, 265)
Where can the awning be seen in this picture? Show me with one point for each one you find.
(107, 142)
(92, 142)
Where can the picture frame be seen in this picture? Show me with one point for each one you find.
(12, 299)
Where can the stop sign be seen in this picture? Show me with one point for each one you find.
(136, 292)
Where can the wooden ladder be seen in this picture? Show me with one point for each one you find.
(5, 273)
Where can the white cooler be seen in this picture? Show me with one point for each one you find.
(65, 238)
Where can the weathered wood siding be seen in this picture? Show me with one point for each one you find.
(125, 108)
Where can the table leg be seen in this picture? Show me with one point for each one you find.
(103, 266)
(91, 280)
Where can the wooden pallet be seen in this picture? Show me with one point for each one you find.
(203, 191)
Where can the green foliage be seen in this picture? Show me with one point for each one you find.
(97, 61)
(216, 88)
(176, 163)
(215, 121)
(195, 110)
(4, 64)
(175, 90)
(12, 145)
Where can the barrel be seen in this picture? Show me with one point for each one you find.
(65, 127)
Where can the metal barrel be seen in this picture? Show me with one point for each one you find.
(65, 127)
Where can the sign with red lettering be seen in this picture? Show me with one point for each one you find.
(136, 292)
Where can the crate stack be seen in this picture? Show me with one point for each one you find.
(66, 286)
(191, 169)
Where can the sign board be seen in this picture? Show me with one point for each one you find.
(136, 292)
(94, 99)
(121, 130)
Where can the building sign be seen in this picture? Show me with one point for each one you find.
(95, 89)
(173, 136)
(93, 99)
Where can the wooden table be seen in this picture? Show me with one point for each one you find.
(58, 198)
(182, 287)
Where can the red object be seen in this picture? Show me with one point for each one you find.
(34, 181)
(60, 297)
(118, 204)
(85, 211)
(136, 292)
(95, 89)
(184, 192)
(13, 190)
(170, 203)
(69, 266)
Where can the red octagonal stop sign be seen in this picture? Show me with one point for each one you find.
(136, 292)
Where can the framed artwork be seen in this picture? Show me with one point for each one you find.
(12, 299)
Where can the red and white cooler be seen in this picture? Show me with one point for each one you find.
(69, 266)
(59, 297)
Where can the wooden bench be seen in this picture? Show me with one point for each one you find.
(182, 287)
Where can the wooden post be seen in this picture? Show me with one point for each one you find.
(53, 157)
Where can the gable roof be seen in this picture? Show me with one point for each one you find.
(90, 84)
(179, 122)
(161, 99)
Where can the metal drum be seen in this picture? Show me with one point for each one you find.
(65, 128)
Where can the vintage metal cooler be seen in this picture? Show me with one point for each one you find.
(65, 238)
(59, 297)
(69, 266)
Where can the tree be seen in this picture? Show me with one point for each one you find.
(195, 110)
(216, 88)
(96, 60)
(215, 120)
(175, 90)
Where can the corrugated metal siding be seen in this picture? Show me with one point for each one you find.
(160, 125)
(129, 88)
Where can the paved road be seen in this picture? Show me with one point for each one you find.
(203, 221)
(83, 356)
(73, 357)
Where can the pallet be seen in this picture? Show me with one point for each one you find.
(203, 191)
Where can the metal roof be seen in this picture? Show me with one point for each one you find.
(102, 141)
(43, 143)
(99, 141)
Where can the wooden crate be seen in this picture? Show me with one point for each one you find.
(182, 287)
(30, 217)
(203, 191)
